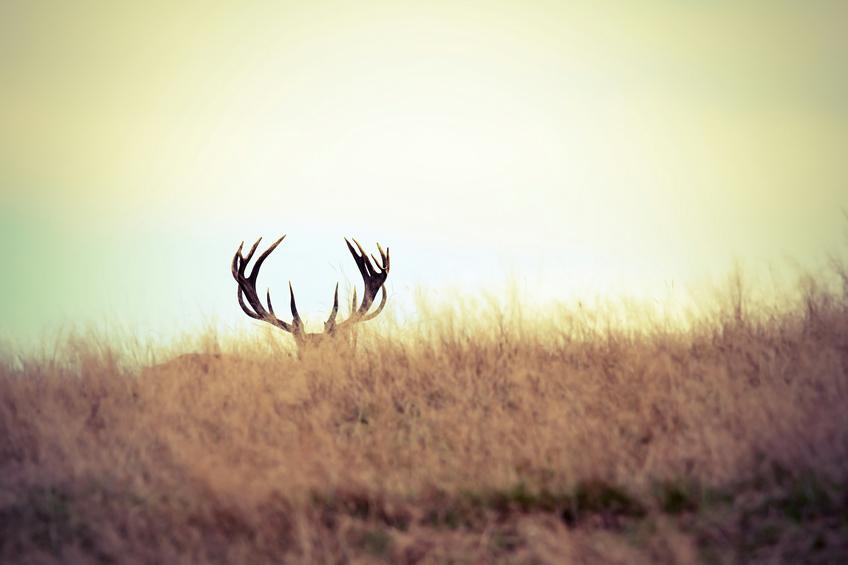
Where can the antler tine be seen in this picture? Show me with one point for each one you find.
(335, 309)
(352, 250)
(382, 262)
(376, 263)
(296, 321)
(246, 260)
(366, 261)
(385, 257)
(235, 266)
(268, 300)
(357, 258)
(336, 300)
(359, 246)
(330, 324)
(256, 266)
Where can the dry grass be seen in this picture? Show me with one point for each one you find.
(508, 439)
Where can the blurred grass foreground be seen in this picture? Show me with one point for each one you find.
(496, 437)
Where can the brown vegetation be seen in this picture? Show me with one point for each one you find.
(516, 440)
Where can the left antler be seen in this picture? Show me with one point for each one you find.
(247, 289)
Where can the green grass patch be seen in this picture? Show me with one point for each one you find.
(587, 499)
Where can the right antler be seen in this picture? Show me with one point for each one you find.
(374, 276)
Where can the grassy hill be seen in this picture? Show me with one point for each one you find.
(504, 438)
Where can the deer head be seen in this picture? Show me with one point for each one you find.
(373, 275)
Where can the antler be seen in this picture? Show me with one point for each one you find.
(247, 289)
(374, 276)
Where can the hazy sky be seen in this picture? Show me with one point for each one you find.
(583, 147)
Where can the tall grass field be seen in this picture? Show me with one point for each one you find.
(468, 434)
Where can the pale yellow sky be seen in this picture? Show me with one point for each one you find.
(584, 149)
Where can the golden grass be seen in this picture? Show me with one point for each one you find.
(545, 438)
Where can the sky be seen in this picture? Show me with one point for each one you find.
(577, 149)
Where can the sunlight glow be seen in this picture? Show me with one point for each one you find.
(588, 150)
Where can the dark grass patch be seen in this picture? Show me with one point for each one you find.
(677, 497)
(362, 506)
(601, 498)
(374, 541)
(588, 499)
(47, 518)
(806, 499)
(684, 496)
(778, 516)
(467, 510)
